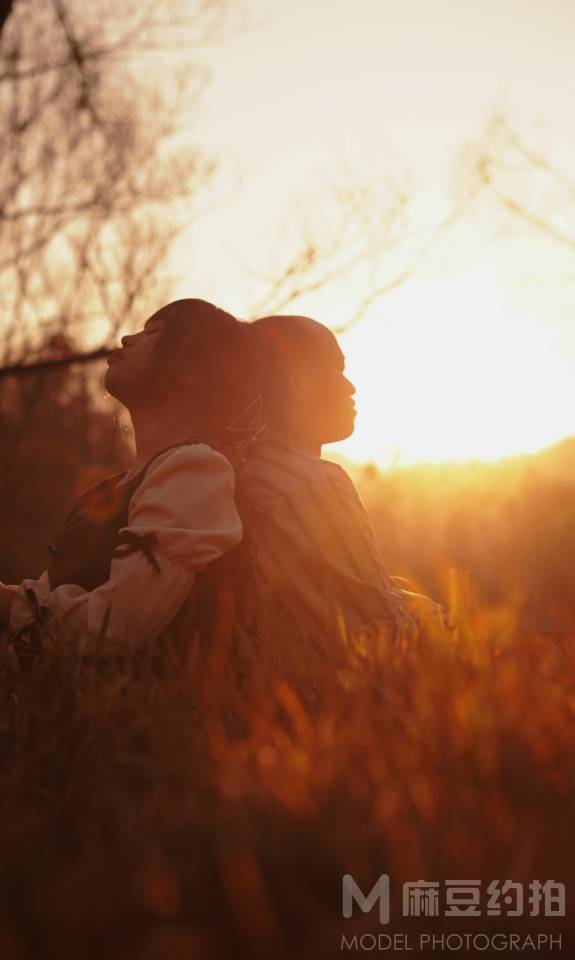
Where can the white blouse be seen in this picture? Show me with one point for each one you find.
(186, 499)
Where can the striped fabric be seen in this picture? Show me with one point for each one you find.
(313, 552)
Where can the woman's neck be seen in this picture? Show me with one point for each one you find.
(153, 433)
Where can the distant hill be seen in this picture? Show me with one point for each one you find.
(556, 462)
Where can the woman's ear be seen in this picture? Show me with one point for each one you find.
(300, 384)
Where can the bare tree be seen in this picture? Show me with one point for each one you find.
(520, 179)
(355, 231)
(499, 179)
(98, 175)
(332, 239)
(95, 179)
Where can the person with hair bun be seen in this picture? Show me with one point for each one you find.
(133, 545)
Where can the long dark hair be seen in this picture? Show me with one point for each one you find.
(198, 337)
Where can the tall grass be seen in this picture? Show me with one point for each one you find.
(160, 809)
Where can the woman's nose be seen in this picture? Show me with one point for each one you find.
(126, 340)
(350, 387)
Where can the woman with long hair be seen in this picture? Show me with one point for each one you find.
(130, 552)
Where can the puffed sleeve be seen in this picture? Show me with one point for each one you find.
(184, 510)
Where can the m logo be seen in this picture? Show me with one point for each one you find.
(380, 891)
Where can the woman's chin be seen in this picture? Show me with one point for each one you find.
(110, 384)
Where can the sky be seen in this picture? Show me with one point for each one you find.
(474, 356)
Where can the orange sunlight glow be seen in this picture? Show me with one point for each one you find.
(459, 373)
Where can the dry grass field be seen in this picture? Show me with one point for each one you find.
(150, 811)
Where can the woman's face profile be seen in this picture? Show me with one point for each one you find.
(129, 366)
(325, 393)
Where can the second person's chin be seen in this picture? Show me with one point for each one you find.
(341, 431)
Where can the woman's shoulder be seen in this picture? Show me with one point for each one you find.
(177, 459)
(196, 451)
(187, 484)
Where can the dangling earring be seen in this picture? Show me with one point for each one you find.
(250, 422)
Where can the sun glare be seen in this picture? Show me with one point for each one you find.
(459, 373)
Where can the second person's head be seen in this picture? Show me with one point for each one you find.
(306, 393)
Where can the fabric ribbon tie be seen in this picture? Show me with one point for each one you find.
(136, 541)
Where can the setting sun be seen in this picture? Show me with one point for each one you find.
(457, 373)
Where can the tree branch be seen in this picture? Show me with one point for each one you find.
(41, 366)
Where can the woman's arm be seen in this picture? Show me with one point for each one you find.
(185, 504)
